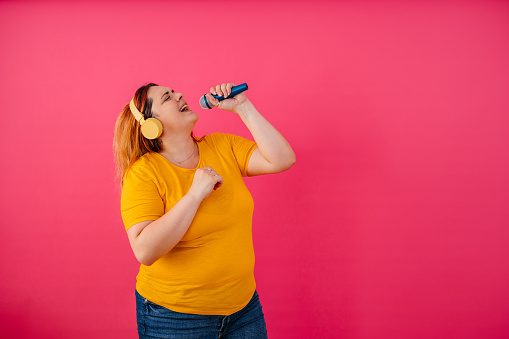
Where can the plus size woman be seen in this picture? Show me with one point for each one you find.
(188, 213)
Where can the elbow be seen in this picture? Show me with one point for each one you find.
(284, 164)
(144, 258)
(146, 262)
(290, 161)
(293, 159)
(148, 256)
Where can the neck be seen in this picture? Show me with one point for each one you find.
(179, 147)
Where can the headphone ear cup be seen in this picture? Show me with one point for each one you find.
(152, 128)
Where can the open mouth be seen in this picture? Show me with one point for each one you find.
(184, 108)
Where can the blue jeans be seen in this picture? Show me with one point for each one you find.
(156, 321)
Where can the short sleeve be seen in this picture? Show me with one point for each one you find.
(140, 199)
(242, 149)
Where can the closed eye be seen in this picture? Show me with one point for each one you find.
(167, 98)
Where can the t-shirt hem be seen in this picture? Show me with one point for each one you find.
(248, 157)
(214, 312)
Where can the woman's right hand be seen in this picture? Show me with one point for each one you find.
(205, 180)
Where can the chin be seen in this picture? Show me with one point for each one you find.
(195, 120)
(195, 115)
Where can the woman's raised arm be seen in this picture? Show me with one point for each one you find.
(273, 154)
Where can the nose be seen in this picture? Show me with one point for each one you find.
(179, 96)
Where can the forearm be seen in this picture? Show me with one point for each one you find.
(161, 235)
(272, 145)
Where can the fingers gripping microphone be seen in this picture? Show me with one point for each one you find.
(205, 104)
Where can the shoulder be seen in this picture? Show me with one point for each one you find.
(147, 160)
(216, 140)
(221, 138)
(214, 137)
(145, 167)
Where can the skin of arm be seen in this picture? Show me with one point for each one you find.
(273, 154)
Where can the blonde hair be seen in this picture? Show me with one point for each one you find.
(128, 142)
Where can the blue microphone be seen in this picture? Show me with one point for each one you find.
(205, 104)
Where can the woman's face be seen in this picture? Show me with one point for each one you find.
(171, 109)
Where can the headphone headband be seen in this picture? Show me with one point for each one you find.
(137, 115)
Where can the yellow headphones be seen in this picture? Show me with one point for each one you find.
(150, 128)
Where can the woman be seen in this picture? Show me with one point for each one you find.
(188, 213)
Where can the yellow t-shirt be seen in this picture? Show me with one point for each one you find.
(211, 270)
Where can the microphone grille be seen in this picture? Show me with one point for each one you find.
(203, 103)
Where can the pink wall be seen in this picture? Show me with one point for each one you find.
(392, 224)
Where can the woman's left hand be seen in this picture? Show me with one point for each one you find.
(224, 90)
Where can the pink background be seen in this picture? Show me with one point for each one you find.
(392, 224)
